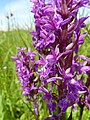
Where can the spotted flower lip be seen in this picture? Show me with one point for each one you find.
(55, 62)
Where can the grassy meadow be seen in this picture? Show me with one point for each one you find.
(12, 104)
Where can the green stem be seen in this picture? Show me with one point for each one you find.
(81, 112)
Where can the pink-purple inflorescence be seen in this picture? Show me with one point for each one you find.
(57, 39)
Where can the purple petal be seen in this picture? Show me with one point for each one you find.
(53, 79)
(85, 69)
(84, 58)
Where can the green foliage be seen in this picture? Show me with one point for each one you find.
(12, 104)
(85, 48)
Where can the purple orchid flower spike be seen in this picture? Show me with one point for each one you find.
(57, 39)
